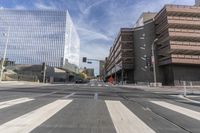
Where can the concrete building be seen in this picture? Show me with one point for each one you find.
(101, 69)
(173, 36)
(119, 63)
(145, 16)
(89, 72)
(178, 45)
(144, 35)
(197, 2)
(37, 36)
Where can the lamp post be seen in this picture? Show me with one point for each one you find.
(154, 63)
(44, 74)
(5, 52)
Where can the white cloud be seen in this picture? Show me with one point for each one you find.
(1, 7)
(19, 7)
(87, 34)
(87, 9)
(41, 5)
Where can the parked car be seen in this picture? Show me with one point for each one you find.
(80, 81)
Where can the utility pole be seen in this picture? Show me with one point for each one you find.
(44, 71)
(154, 62)
(122, 76)
(115, 74)
(4, 56)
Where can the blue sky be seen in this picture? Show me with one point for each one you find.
(97, 21)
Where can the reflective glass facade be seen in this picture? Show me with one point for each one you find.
(39, 36)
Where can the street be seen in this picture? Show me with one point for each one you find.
(95, 107)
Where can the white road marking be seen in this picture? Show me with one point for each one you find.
(186, 98)
(124, 120)
(14, 102)
(99, 85)
(182, 110)
(69, 95)
(96, 96)
(92, 84)
(31, 120)
(46, 94)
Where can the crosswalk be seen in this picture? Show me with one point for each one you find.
(29, 121)
(14, 102)
(182, 110)
(123, 119)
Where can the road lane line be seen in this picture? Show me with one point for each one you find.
(179, 109)
(33, 119)
(69, 95)
(46, 94)
(124, 120)
(14, 102)
(92, 85)
(99, 85)
(95, 96)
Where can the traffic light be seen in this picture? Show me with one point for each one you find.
(43, 66)
(84, 59)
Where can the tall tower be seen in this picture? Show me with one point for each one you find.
(197, 2)
(38, 36)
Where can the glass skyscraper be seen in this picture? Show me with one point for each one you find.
(38, 36)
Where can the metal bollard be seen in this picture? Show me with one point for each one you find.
(185, 89)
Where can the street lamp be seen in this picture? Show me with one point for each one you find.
(5, 52)
(154, 63)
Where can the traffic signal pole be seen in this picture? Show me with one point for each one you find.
(44, 72)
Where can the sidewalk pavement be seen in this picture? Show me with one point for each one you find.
(8, 84)
(166, 89)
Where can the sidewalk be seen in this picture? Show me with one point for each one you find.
(8, 84)
(166, 89)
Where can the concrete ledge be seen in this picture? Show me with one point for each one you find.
(155, 84)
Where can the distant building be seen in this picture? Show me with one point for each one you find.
(197, 2)
(38, 36)
(7, 62)
(71, 67)
(89, 72)
(101, 68)
(143, 18)
(120, 62)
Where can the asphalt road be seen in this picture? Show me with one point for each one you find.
(94, 108)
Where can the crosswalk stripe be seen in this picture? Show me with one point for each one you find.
(99, 85)
(92, 85)
(69, 95)
(14, 102)
(31, 120)
(124, 120)
(46, 94)
(96, 96)
(182, 110)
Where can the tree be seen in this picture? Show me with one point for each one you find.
(83, 75)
